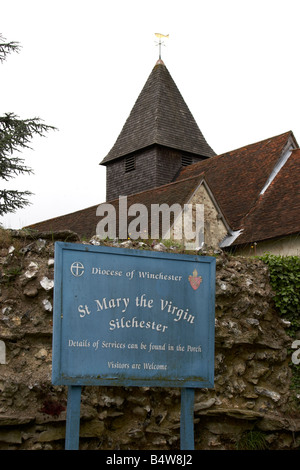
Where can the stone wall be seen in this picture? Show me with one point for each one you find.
(251, 406)
(214, 226)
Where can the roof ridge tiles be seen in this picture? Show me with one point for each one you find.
(217, 157)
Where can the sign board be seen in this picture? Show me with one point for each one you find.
(129, 317)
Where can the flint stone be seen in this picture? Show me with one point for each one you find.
(160, 247)
(30, 291)
(96, 240)
(31, 270)
(115, 401)
(267, 393)
(239, 367)
(47, 305)
(47, 284)
(42, 354)
(27, 248)
(6, 310)
(256, 371)
(204, 404)
(40, 244)
(126, 244)
(223, 286)
(135, 433)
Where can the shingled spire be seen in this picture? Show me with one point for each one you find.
(159, 118)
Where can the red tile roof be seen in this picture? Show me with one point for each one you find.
(236, 180)
(277, 211)
(84, 222)
(237, 177)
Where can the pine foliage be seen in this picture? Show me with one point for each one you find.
(15, 135)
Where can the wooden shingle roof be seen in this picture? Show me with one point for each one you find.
(160, 116)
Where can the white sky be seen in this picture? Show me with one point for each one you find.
(83, 64)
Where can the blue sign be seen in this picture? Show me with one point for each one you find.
(129, 317)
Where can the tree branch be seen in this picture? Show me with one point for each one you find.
(7, 47)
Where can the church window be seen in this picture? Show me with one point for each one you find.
(186, 160)
(129, 163)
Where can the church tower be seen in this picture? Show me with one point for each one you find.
(158, 138)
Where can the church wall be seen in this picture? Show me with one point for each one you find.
(214, 227)
(283, 246)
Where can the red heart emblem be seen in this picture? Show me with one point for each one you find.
(195, 280)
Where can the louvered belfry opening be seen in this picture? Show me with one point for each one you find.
(186, 160)
(129, 163)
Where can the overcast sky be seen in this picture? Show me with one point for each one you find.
(83, 64)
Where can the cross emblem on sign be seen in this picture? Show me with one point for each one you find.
(77, 269)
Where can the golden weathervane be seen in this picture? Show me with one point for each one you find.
(160, 42)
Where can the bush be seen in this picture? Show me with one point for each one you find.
(285, 281)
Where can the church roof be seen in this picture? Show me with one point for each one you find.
(160, 116)
(277, 211)
(84, 222)
(236, 178)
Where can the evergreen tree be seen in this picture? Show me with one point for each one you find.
(15, 135)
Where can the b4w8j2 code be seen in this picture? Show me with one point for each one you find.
(171, 459)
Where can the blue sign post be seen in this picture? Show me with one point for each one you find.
(132, 318)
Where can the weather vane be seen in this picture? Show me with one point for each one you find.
(160, 42)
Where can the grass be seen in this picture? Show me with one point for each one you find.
(252, 440)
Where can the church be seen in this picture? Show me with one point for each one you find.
(250, 195)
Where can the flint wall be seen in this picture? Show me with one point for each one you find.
(252, 398)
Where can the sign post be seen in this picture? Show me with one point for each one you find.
(187, 419)
(73, 417)
(132, 318)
